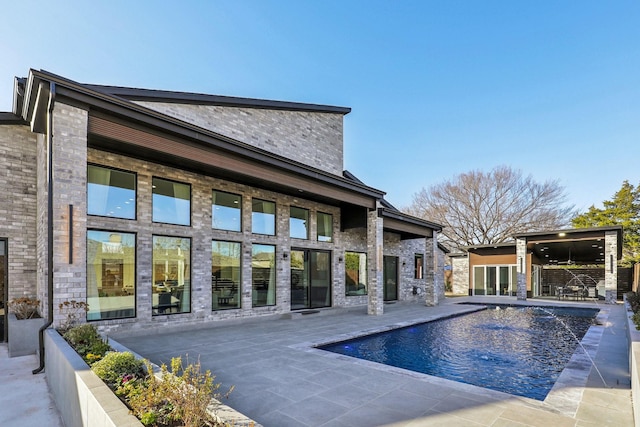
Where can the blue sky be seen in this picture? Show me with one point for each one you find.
(437, 88)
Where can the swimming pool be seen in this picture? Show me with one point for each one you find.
(514, 349)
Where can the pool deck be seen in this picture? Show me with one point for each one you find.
(281, 380)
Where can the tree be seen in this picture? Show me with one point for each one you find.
(624, 210)
(479, 208)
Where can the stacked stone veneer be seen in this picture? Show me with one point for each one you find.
(312, 138)
(460, 274)
(18, 154)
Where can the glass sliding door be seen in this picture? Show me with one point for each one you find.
(390, 277)
(494, 280)
(504, 284)
(310, 279)
(478, 280)
(490, 281)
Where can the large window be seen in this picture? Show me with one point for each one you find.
(263, 275)
(299, 223)
(325, 227)
(225, 274)
(355, 271)
(263, 217)
(226, 211)
(171, 275)
(111, 192)
(111, 275)
(171, 202)
(418, 266)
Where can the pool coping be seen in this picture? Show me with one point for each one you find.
(564, 397)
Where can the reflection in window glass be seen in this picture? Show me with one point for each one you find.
(299, 223)
(225, 275)
(171, 275)
(418, 266)
(111, 192)
(111, 275)
(263, 217)
(325, 227)
(171, 202)
(226, 211)
(355, 269)
(263, 275)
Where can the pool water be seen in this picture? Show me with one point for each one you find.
(517, 350)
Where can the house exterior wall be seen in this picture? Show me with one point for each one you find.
(312, 138)
(18, 179)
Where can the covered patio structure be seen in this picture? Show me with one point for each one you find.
(600, 246)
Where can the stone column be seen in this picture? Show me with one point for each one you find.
(611, 266)
(433, 273)
(375, 250)
(521, 268)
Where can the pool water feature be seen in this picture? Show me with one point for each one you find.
(514, 349)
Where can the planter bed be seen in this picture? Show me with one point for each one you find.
(83, 399)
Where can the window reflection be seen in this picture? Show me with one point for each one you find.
(171, 202)
(171, 275)
(299, 223)
(263, 217)
(111, 192)
(226, 211)
(111, 275)
(325, 227)
(225, 275)
(263, 275)
(355, 268)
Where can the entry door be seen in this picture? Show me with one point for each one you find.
(4, 292)
(310, 279)
(390, 277)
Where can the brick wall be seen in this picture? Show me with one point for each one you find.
(312, 138)
(18, 155)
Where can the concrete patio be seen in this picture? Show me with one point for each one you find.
(281, 380)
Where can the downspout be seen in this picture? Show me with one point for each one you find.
(52, 99)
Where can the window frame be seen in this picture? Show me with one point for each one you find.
(366, 272)
(239, 230)
(273, 272)
(135, 273)
(153, 187)
(275, 217)
(418, 268)
(154, 280)
(239, 291)
(135, 191)
(329, 239)
(307, 225)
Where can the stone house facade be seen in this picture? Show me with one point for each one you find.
(162, 209)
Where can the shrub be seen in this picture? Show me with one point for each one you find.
(180, 396)
(86, 341)
(115, 366)
(25, 307)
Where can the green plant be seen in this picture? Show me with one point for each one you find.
(25, 307)
(178, 396)
(72, 311)
(86, 340)
(115, 366)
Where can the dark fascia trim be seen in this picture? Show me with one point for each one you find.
(136, 94)
(443, 248)
(383, 201)
(399, 216)
(569, 231)
(490, 246)
(8, 118)
(130, 111)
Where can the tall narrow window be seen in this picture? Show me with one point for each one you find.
(299, 223)
(418, 266)
(226, 211)
(355, 270)
(171, 202)
(225, 275)
(111, 192)
(325, 227)
(263, 217)
(263, 275)
(111, 275)
(171, 275)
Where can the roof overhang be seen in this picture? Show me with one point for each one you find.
(409, 227)
(581, 246)
(121, 126)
